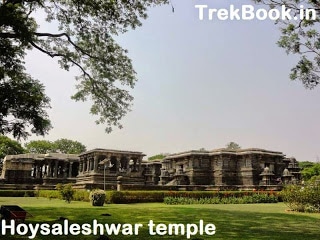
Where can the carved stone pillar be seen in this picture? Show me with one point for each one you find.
(95, 163)
(70, 169)
(37, 171)
(64, 170)
(80, 165)
(139, 166)
(34, 171)
(134, 164)
(117, 163)
(84, 168)
(88, 165)
(92, 164)
(45, 174)
(49, 169)
(128, 163)
(56, 162)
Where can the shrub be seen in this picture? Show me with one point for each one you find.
(135, 196)
(97, 197)
(81, 195)
(302, 198)
(66, 191)
(254, 198)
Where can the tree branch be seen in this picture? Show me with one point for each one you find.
(58, 35)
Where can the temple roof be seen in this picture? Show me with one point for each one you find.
(36, 156)
(225, 151)
(102, 150)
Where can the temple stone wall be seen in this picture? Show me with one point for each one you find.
(241, 169)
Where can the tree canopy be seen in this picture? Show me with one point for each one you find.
(84, 39)
(310, 170)
(301, 37)
(233, 146)
(158, 156)
(40, 146)
(69, 146)
(9, 147)
(62, 145)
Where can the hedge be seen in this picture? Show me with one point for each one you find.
(159, 196)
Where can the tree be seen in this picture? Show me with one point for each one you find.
(69, 146)
(62, 145)
(305, 164)
(9, 147)
(158, 156)
(40, 146)
(301, 37)
(311, 171)
(84, 40)
(233, 146)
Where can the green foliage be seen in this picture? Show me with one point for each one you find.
(302, 198)
(68, 146)
(84, 39)
(158, 156)
(61, 145)
(79, 195)
(302, 38)
(309, 172)
(135, 196)
(160, 196)
(305, 164)
(66, 192)
(254, 198)
(97, 197)
(40, 146)
(9, 147)
(23, 105)
(233, 146)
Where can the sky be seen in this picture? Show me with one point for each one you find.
(201, 84)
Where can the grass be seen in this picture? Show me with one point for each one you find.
(232, 221)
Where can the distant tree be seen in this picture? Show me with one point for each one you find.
(40, 146)
(9, 147)
(233, 146)
(202, 149)
(305, 164)
(69, 146)
(311, 172)
(158, 156)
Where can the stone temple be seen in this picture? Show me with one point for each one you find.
(219, 169)
(229, 169)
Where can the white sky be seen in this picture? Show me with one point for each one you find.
(201, 84)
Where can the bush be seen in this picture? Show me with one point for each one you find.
(302, 198)
(135, 196)
(66, 191)
(97, 197)
(254, 198)
(81, 195)
(195, 196)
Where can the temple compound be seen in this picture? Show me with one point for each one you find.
(102, 167)
(43, 169)
(219, 169)
(229, 169)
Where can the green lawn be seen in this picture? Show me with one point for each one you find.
(251, 221)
